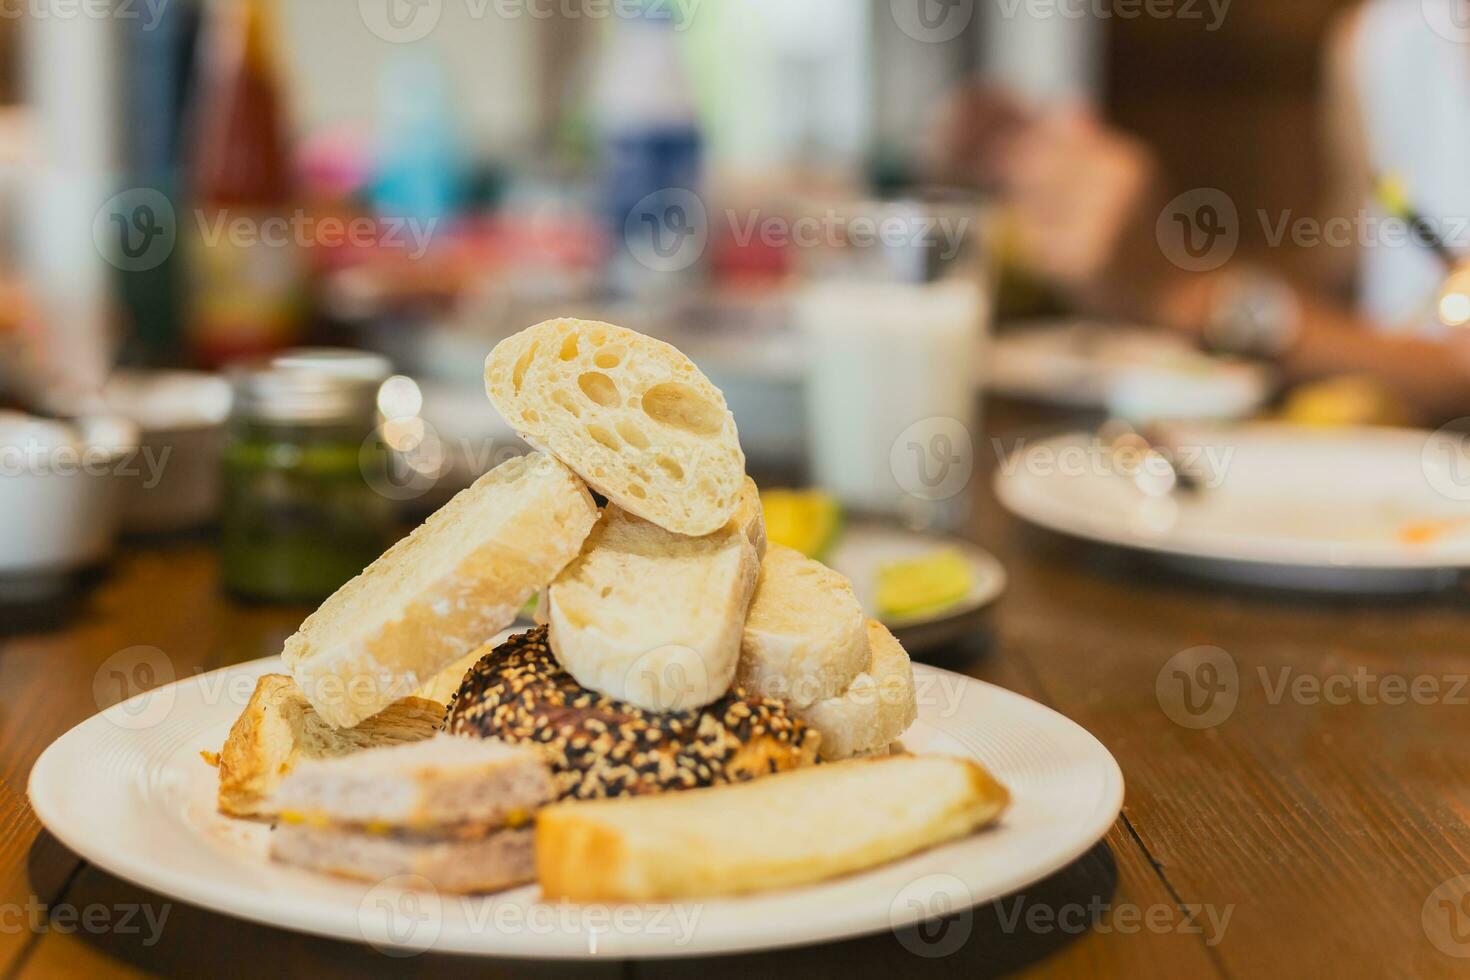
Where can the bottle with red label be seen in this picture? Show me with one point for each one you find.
(243, 228)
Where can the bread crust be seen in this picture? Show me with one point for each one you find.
(599, 747)
(279, 727)
(349, 670)
(633, 850)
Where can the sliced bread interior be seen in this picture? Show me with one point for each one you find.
(632, 415)
(279, 728)
(782, 830)
(441, 782)
(806, 637)
(877, 707)
(442, 591)
(651, 617)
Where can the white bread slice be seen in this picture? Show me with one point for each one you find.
(440, 782)
(806, 637)
(279, 728)
(651, 617)
(877, 707)
(486, 863)
(632, 415)
(788, 829)
(749, 520)
(442, 591)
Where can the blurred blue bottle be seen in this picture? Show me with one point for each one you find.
(651, 155)
(419, 170)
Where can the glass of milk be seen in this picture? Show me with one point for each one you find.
(891, 395)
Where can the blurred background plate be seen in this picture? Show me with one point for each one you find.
(863, 549)
(1355, 510)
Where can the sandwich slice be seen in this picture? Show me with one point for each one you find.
(806, 637)
(442, 591)
(279, 728)
(631, 415)
(654, 618)
(455, 811)
(874, 710)
(788, 829)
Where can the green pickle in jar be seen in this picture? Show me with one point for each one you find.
(302, 514)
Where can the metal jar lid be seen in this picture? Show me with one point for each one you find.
(310, 386)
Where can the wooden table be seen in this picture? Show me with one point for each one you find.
(1304, 835)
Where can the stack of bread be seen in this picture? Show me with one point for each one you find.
(675, 650)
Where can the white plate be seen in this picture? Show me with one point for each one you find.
(1138, 371)
(864, 548)
(1282, 505)
(128, 791)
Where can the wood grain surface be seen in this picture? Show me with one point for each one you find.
(1304, 834)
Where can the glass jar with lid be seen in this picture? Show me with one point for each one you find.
(301, 514)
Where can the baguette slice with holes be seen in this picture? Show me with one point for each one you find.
(806, 638)
(442, 591)
(651, 617)
(783, 830)
(877, 707)
(279, 728)
(632, 415)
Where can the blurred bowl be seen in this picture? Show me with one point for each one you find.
(59, 498)
(172, 483)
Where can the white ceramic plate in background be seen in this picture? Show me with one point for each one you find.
(1352, 509)
(127, 790)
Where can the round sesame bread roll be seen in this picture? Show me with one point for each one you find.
(598, 746)
(631, 415)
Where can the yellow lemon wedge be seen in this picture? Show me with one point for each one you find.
(807, 520)
(929, 583)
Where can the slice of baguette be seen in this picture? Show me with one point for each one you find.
(651, 617)
(788, 829)
(877, 707)
(806, 637)
(440, 782)
(632, 415)
(279, 728)
(442, 591)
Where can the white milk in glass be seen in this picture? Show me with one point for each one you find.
(892, 407)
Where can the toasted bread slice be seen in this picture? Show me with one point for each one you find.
(440, 782)
(633, 416)
(442, 591)
(485, 863)
(651, 617)
(783, 830)
(806, 637)
(279, 728)
(877, 707)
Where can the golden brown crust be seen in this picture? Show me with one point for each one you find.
(638, 850)
(598, 746)
(279, 726)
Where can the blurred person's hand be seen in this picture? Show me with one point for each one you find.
(1075, 193)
